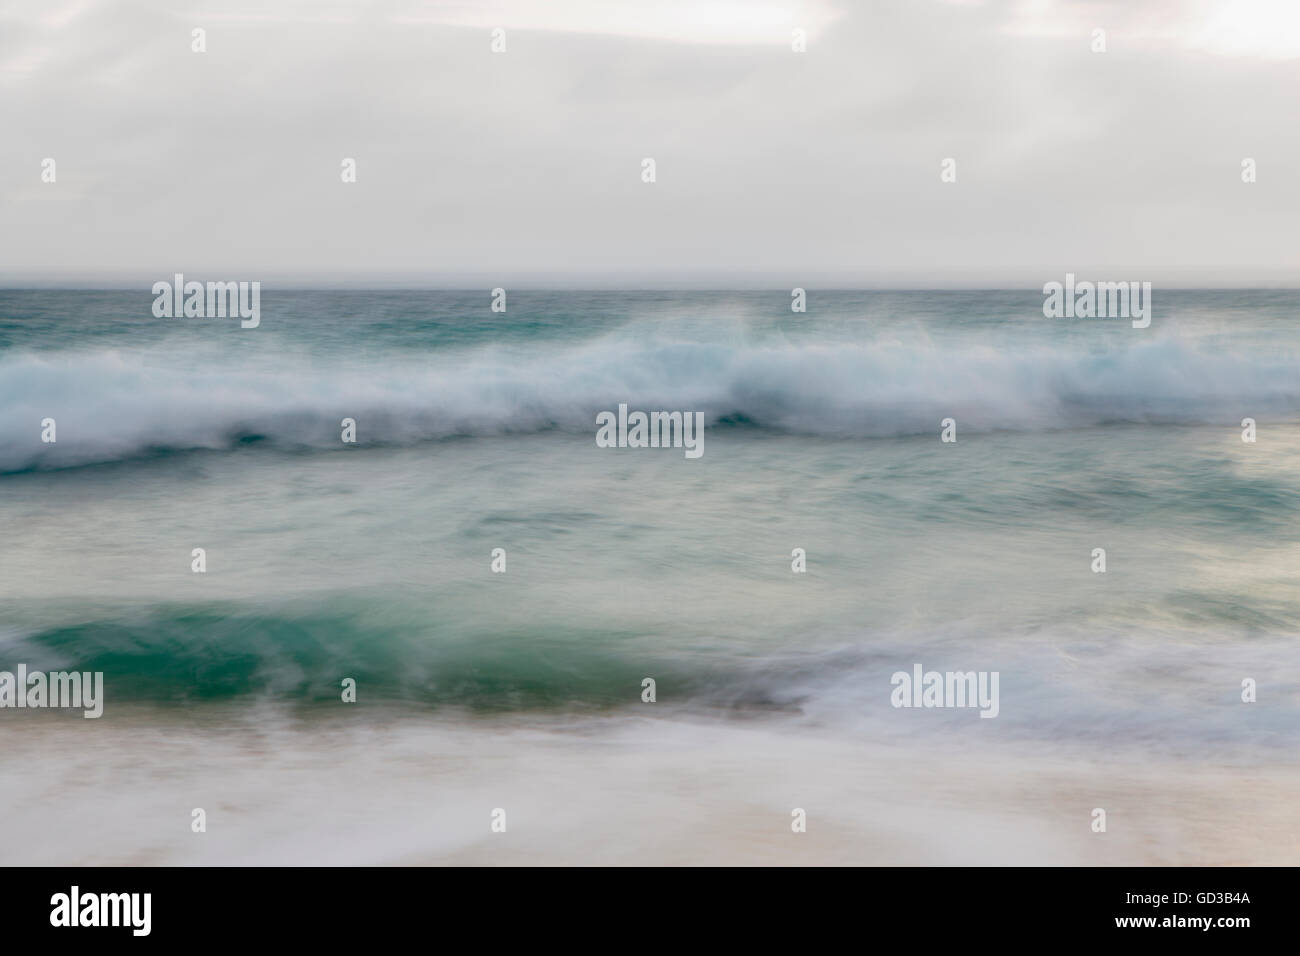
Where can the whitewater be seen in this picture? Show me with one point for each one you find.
(372, 562)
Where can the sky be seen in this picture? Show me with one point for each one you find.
(773, 168)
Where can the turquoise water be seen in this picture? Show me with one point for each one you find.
(522, 690)
(476, 431)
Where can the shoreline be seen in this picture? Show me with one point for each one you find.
(615, 791)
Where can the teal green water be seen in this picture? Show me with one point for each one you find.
(476, 431)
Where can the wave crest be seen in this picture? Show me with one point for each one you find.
(111, 406)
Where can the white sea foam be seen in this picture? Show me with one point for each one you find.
(110, 405)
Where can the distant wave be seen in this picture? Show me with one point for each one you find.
(112, 406)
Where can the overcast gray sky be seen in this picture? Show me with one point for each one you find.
(774, 168)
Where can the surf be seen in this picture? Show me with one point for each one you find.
(113, 406)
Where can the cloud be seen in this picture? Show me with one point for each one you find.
(764, 22)
(773, 166)
(1267, 29)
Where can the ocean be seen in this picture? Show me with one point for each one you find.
(499, 588)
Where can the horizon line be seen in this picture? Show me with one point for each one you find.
(630, 283)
